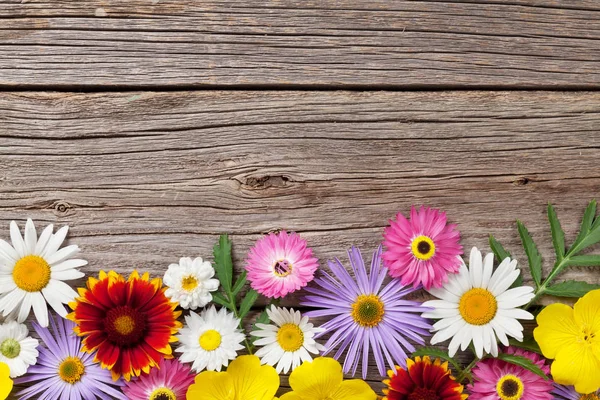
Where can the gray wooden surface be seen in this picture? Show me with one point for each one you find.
(150, 127)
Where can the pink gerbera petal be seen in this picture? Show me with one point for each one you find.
(422, 250)
(279, 264)
(170, 376)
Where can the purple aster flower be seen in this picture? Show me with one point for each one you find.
(569, 393)
(367, 317)
(63, 371)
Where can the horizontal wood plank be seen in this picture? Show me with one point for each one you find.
(291, 43)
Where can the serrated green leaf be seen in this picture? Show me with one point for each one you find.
(527, 344)
(571, 289)
(498, 249)
(558, 235)
(587, 260)
(586, 224)
(522, 362)
(239, 284)
(223, 263)
(533, 255)
(220, 299)
(247, 303)
(590, 239)
(436, 353)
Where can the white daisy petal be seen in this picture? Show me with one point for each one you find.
(30, 236)
(488, 267)
(475, 267)
(189, 283)
(55, 241)
(17, 239)
(40, 309)
(8, 252)
(18, 350)
(43, 240)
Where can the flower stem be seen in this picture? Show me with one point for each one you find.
(466, 373)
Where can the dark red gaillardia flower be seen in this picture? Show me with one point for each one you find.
(130, 323)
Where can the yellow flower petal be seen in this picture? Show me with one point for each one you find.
(587, 311)
(210, 385)
(576, 365)
(318, 379)
(556, 329)
(354, 389)
(251, 380)
(6, 384)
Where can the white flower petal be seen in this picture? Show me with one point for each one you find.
(17, 240)
(43, 240)
(54, 242)
(30, 236)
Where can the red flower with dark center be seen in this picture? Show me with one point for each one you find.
(423, 380)
(130, 323)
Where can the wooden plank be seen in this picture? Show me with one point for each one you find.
(145, 178)
(292, 43)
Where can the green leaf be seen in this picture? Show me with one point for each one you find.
(558, 235)
(571, 289)
(528, 344)
(522, 362)
(498, 249)
(247, 303)
(223, 263)
(590, 239)
(239, 284)
(263, 318)
(533, 255)
(436, 353)
(586, 224)
(220, 299)
(588, 260)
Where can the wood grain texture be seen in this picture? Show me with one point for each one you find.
(145, 178)
(292, 43)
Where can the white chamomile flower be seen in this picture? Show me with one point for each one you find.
(210, 340)
(17, 349)
(189, 282)
(32, 272)
(477, 305)
(288, 342)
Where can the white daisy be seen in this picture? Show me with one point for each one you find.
(17, 349)
(478, 306)
(288, 342)
(189, 282)
(210, 340)
(32, 272)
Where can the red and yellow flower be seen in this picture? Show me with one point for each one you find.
(130, 323)
(423, 380)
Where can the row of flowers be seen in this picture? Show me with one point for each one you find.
(124, 337)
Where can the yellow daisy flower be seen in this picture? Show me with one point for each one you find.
(571, 336)
(323, 379)
(245, 379)
(6, 384)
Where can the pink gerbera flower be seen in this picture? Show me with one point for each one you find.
(422, 250)
(279, 264)
(497, 379)
(170, 380)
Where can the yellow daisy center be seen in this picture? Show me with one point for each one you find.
(31, 273)
(282, 268)
(422, 247)
(368, 310)
(189, 283)
(510, 387)
(210, 340)
(162, 394)
(290, 337)
(478, 306)
(10, 348)
(590, 396)
(71, 370)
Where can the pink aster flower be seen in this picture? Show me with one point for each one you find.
(497, 379)
(279, 264)
(170, 380)
(422, 249)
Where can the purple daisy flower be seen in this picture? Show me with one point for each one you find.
(367, 317)
(63, 371)
(569, 393)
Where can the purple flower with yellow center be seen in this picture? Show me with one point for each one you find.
(366, 316)
(64, 371)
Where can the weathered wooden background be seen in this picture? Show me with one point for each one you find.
(152, 126)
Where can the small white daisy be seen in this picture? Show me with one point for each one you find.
(189, 282)
(17, 349)
(288, 342)
(210, 340)
(32, 272)
(478, 306)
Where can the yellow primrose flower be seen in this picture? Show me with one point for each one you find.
(245, 379)
(323, 379)
(571, 336)
(6, 384)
